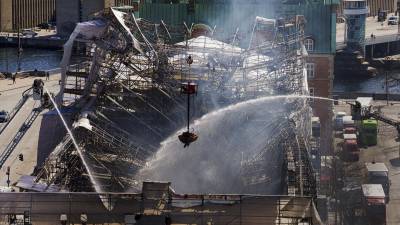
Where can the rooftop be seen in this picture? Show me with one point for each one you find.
(376, 167)
(373, 190)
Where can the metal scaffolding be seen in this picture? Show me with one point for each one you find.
(135, 74)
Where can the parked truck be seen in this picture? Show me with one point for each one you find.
(350, 147)
(378, 173)
(374, 204)
(348, 122)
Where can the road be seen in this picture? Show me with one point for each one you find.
(40, 33)
(9, 96)
(386, 151)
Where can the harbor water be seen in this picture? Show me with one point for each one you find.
(31, 59)
(371, 85)
(48, 59)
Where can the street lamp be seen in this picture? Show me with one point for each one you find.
(8, 176)
(387, 69)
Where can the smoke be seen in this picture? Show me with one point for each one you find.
(213, 163)
(231, 15)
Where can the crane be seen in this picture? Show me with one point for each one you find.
(189, 88)
(359, 112)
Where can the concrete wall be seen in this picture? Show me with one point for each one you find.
(51, 133)
(89, 7)
(5, 15)
(70, 12)
(22, 14)
(67, 16)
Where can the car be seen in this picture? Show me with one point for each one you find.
(45, 26)
(3, 116)
(29, 33)
(393, 20)
(55, 38)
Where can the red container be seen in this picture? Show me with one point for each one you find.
(189, 88)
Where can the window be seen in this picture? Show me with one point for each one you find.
(312, 93)
(310, 67)
(309, 44)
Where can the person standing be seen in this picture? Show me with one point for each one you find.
(47, 75)
(14, 77)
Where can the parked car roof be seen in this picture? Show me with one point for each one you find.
(376, 167)
(373, 190)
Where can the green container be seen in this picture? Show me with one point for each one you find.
(369, 132)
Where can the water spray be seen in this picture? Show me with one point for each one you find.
(244, 130)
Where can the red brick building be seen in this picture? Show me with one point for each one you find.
(320, 71)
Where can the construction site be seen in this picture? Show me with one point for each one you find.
(167, 124)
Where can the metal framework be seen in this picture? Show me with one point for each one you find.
(135, 72)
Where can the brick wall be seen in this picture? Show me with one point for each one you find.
(322, 83)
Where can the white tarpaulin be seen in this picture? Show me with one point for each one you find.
(88, 30)
(120, 17)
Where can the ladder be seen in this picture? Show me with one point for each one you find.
(384, 119)
(16, 109)
(20, 134)
(304, 166)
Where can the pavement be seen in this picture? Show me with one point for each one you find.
(10, 94)
(386, 151)
(40, 33)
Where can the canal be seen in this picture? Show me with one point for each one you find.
(40, 59)
(375, 84)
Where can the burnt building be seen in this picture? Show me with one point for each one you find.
(319, 38)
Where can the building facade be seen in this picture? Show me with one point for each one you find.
(356, 13)
(70, 12)
(320, 41)
(20, 14)
(374, 6)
